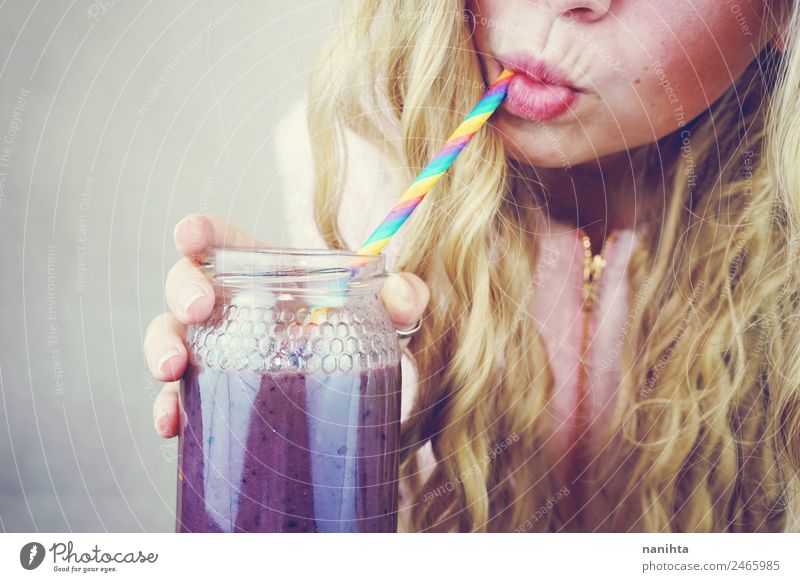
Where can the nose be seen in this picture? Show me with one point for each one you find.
(580, 10)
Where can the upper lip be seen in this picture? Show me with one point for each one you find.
(537, 69)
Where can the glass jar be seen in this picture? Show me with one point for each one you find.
(290, 405)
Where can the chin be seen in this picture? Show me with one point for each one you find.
(539, 156)
(541, 146)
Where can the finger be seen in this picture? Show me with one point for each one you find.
(405, 297)
(165, 410)
(197, 232)
(164, 348)
(190, 295)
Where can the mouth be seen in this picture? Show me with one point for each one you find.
(539, 91)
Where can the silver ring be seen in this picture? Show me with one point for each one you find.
(408, 332)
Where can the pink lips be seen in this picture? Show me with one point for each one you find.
(539, 91)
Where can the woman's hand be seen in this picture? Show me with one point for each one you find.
(190, 298)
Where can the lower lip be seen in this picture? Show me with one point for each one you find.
(535, 101)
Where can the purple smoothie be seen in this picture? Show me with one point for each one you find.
(289, 452)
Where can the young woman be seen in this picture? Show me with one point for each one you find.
(606, 281)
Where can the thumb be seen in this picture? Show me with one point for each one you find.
(405, 297)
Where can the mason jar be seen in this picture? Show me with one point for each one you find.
(290, 404)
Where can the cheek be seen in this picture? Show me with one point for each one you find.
(691, 63)
(485, 11)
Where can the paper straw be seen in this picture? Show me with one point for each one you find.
(432, 173)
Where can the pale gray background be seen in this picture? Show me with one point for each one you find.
(85, 457)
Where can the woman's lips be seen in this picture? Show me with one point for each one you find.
(535, 101)
(538, 92)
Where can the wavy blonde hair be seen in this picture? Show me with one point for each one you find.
(705, 435)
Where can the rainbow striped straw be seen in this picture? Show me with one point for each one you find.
(433, 172)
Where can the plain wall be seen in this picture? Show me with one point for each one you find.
(117, 118)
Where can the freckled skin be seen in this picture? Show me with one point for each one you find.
(623, 55)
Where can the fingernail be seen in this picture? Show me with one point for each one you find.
(178, 227)
(166, 357)
(184, 221)
(191, 294)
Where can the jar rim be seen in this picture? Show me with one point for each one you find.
(283, 263)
